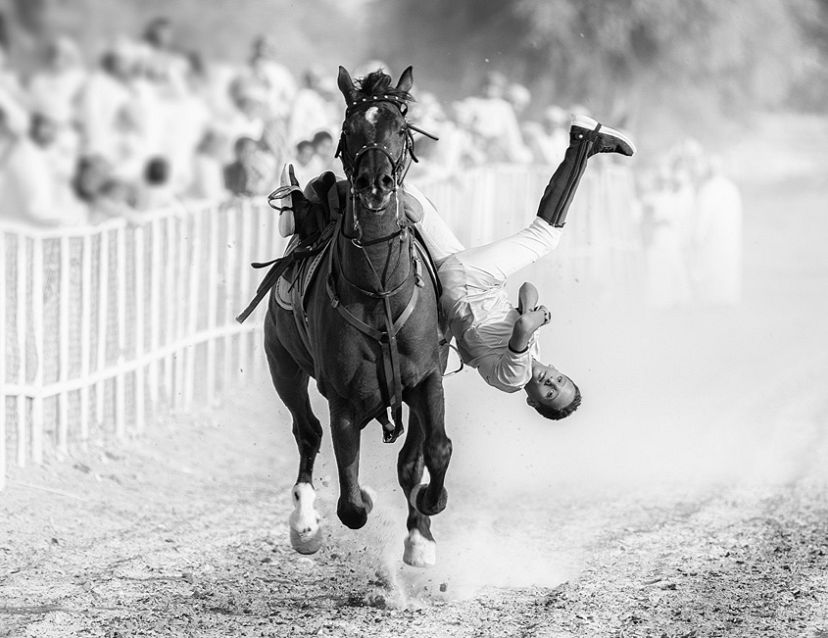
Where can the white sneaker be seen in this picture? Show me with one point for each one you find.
(607, 140)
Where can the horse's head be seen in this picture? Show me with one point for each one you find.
(375, 142)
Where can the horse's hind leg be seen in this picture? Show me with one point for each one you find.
(291, 384)
(420, 548)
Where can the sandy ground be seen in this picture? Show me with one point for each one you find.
(686, 498)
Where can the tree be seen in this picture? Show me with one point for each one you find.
(609, 54)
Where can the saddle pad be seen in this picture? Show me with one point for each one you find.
(294, 283)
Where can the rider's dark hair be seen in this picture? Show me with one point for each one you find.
(560, 413)
(379, 83)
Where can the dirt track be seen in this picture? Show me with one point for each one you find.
(688, 498)
(143, 541)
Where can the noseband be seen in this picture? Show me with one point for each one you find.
(350, 161)
(399, 165)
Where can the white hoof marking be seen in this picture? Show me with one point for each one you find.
(305, 532)
(419, 551)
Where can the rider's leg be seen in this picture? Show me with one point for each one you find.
(438, 237)
(494, 263)
(586, 138)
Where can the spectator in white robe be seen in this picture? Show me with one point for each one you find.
(162, 63)
(551, 139)
(13, 98)
(103, 97)
(57, 86)
(307, 165)
(519, 97)
(718, 267)
(247, 118)
(496, 124)
(274, 78)
(309, 112)
(667, 278)
(35, 190)
(157, 191)
(324, 149)
(208, 169)
(129, 146)
(452, 153)
(188, 118)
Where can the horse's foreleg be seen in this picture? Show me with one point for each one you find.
(291, 384)
(427, 401)
(420, 548)
(354, 503)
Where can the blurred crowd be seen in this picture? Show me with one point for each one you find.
(149, 125)
(691, 230)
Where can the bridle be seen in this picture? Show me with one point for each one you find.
(399, 165)
(386, 337)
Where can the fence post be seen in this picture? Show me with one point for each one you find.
(86, 329)
(63, 374)
(230, 271)
(180, 355)
(169, 301)
(191, 323)
(212, 284)
(37, 331)
(103, 307)
(3, 353)
(154, 311)
(138, 264)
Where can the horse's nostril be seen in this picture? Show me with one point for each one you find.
(362, 182)
(387, 182)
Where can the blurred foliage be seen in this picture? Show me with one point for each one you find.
(617, 55)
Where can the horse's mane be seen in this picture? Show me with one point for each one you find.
(378, 83)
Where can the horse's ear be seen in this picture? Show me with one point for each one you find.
(346, 84)
(406, 80)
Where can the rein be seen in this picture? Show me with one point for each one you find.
(385, 336)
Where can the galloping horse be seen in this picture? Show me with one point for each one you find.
(367, 331)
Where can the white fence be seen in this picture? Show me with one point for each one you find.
(103, 327)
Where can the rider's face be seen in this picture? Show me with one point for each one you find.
(549, 386)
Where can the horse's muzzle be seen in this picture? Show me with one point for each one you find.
(374, 199)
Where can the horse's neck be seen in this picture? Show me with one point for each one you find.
(387, 260)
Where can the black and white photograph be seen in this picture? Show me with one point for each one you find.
(413, 318)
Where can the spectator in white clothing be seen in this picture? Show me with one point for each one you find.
(57, 86)
(34, 189)
(310, 109)
(718, 268)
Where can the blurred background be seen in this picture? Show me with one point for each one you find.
(138, 139)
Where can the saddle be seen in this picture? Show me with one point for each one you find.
(294, 283)
(290, 277)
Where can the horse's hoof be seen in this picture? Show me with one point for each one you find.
(415, 498)
(305, 533)
(419, 551)
(368, 498)
(306, 542)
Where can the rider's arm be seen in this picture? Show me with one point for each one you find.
(527, 297)
(525, 326)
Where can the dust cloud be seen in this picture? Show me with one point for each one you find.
(677, 405)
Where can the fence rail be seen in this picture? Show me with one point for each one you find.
(105, 327)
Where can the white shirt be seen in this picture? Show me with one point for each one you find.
(482, 319)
